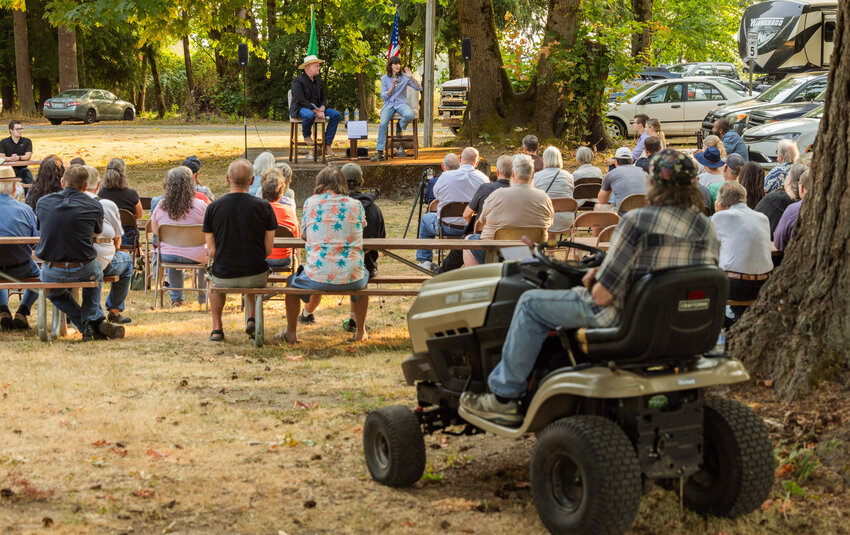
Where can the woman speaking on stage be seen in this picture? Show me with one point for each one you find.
(394, 86)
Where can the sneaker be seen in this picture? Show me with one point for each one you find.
(308, 140)
(349, 325)
(486, 406)
(110, 330)
(90, 333)
(430, 266)
(6, 320)
(307, 319)
(379, 157)
(329, 153)
(20, 322)
(118, 318)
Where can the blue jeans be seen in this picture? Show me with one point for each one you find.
(428, 230)
(279, 262)
(387, 113)
(175, 278)
(331, 116)
(122, 267)
(27, 271)
(89, 309)
(536, 313)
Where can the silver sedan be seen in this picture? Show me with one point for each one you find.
(87, 105)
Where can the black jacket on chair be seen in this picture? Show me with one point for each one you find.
(307, 93)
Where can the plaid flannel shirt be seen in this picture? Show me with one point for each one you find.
(646, 240)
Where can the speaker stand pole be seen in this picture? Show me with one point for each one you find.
(469, 100)
(245, 107)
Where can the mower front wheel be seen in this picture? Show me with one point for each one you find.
(585, 477)
(394, 446)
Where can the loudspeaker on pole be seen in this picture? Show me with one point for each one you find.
(243, 54)
(466, 48)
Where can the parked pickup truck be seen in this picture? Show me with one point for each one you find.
(453, 100)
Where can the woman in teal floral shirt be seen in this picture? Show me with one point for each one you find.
(332, 224)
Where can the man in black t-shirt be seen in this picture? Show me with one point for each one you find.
(17, 149)
(239, 230)
(68, 221)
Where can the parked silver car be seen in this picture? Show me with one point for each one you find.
(87, 105)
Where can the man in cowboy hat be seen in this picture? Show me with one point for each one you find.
(310, 102)
(16, 219)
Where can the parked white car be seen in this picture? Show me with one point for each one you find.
(679, 103)
(762, 140)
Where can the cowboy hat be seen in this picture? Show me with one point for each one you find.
(310, 59)
(7, 173)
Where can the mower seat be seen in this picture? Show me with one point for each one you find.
(668, 315)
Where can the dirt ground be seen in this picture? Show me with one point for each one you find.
(166, 432)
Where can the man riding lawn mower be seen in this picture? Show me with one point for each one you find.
(610, 376)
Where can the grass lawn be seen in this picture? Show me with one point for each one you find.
(166, 432)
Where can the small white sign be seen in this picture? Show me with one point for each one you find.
(752, 45)
(358, 130)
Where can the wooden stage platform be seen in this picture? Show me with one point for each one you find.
(396, 178)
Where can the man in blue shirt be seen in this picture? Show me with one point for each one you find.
(639, 123)
(16, 219)
(731, 140)
(394, 94)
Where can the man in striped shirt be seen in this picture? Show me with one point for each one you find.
(670, 232)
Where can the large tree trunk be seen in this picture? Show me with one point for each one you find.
(7, 93)
(67, 58)
(548, 117)
(490, 89)
(361, 98)
(455, 63)
(798, 331)
(157, 84)
(187, 59)
(271, 19)
(26, 104)
(642, 10)
(140, 105)
(81, 64)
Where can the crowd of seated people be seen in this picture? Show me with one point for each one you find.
(69, 206)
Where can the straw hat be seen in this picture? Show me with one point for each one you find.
(310, 59)
(7, 173)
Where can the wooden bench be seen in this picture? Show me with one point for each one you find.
(58, 326)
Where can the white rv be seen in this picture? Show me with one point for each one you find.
(793, 36)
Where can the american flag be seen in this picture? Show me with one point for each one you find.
(395, 50)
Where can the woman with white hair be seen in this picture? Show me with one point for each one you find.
(584, 156)
(288, 196)
(557, 184)
(263, 161)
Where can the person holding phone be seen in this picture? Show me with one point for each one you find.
(394, 86)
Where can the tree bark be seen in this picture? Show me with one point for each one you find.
(26, 104)
(642, 10)
(68, 58)
(140, 105)
(157, 84)
(798, 330)
(361, 97)
(187, 59)
(81, 64)
(455, 63)
(7, 93)
(490, 89)
(548, 117)
(271, 19)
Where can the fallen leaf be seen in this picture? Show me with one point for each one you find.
(786, 469)
(294, 358)
(302, 405)
(101, 442)
(143, 493)
(157, 454)
(118, 451)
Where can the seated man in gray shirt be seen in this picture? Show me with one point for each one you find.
(624, 180)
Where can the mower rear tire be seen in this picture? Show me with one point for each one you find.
(394, 446)
(738, 464)
(585, 477)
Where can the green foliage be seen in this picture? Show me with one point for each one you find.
(519, 53)
(691, 30)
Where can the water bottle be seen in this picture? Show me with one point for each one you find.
(429, 174)
(356, 114)
(346, 115)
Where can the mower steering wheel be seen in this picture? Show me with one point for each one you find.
(570, 268)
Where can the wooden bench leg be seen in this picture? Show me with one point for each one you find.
(258, 321)
(42, 316)
(322, 141)
(60, 326)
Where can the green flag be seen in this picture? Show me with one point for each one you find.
(313, 47)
